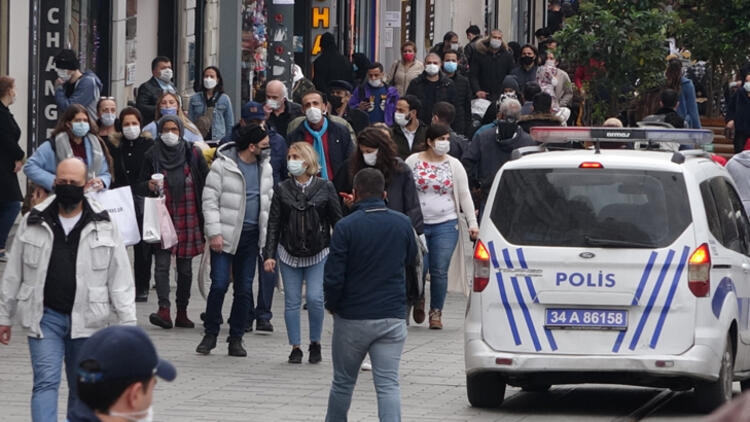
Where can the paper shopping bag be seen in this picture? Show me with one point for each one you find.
(119, 205)
(151, 229)
(168, 233)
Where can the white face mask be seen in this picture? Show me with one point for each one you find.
(210, 83)
(165, 75)
(314, 115)
(108, 119)
(746, 86)
(170, 139)
(296, 167)
(442, 147)
(370, 157)
(495, 43)
(550, 63)
(400, 119)
(432, 69)
(131, 132)
(375, 83)
(63, 74)
(142, 416)
(454, 46)
(273, 104)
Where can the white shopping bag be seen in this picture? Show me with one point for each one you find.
(119, 204)
(151, 229)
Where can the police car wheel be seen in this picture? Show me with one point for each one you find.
(535, 388)
(745, 385)
(711, 395)
(485, 389)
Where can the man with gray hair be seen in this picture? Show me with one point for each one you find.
(490, 149)
(282, 110)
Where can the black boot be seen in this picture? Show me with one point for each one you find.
(207, 344)
(235, 347)
(314, 350)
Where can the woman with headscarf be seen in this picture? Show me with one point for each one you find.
(331, 65)
(184, 170)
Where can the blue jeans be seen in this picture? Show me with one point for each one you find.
(242, 264)
(352, 340)
(8, 212)
(441, 242)
(266, 284)
(47, 355)
(293, 277)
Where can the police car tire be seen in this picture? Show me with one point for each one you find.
(744, 385)
(711, 395)
(536, 388)
(485, 390)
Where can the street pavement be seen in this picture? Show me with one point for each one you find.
(264, 387)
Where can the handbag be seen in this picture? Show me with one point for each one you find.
(151, 229)
(119, 205)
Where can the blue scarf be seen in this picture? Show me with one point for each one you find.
(318, 147)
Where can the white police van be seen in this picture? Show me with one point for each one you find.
(610, 266)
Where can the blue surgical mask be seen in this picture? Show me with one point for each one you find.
(295, 167)
(80, 129)
(168, 111)
(450, 67)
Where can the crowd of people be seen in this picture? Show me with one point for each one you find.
(284, 193)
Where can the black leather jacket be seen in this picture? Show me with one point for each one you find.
(302, 222)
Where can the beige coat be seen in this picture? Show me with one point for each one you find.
(458, 276)
(400, 77)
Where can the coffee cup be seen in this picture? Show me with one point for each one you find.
(158, 178)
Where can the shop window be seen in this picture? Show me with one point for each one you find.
(88, 33)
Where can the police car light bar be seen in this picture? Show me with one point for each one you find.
(561, 135)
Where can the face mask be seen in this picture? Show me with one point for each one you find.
(108, 119)
(495, 43)
(746, 86)
(273, 104)
(165, 75)
(454, 46)
(210, 83)
(526, 60)
(69, 196)
(264, 153)
(408, 57)
(63, 74)
(168, 111)
(550, 63)
(375, 83)
(370, 157)
(450, 67)
(432, 69)
(131, 132)
(142, 416)
(335, 101)
(170, 139)
(80, 129)
(442, 147)
(314, 115)
(400, 119)
(295, 167)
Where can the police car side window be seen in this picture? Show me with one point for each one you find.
(732, 239)
(712, 215)
(740, 218)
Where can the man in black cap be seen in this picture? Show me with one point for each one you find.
(116, 375)
(339, 94)
(73, 86)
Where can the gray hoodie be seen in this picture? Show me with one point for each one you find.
(739, 168)
(85, 92)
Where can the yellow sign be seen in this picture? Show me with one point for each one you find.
(321, 17)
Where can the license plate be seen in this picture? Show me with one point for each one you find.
(586, 319)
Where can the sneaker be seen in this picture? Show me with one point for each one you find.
(296, 355)
(435, 323)
(207, 344)
(161, 318)
(366, 366)
(263, 326)
(314, 350)
(418, 313)
(235, 347)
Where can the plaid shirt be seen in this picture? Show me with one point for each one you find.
(185, 219)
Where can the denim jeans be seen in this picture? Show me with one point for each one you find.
(352, 340)
(242, 264)
(293, 277)
(47, 355)
(266, 284)
(142, 258)
(441, 242)
(8, 212)
(163, 260)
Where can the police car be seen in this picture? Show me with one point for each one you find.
(610, 266)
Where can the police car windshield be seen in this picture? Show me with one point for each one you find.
(584, 207)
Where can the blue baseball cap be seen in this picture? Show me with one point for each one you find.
(122, 352)
(253, 111)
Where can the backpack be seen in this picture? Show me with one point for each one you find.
(304, 218)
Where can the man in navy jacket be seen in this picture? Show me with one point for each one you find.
(365, 290)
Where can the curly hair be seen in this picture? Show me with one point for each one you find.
(387, 162)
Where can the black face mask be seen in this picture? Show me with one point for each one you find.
(526, 60)
(335, 101)
(69, 196)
